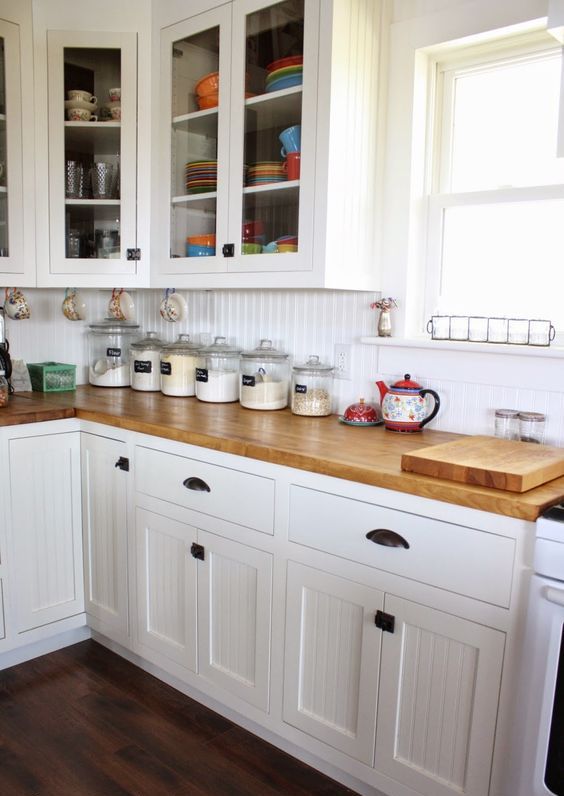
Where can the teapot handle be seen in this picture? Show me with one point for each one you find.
(436, 407)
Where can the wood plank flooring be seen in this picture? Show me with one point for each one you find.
(84, 722)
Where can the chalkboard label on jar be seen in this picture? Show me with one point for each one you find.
(201, 374)
(248, 381)
(113, 352)
(301, 388)
(166, 368)
(142, 366)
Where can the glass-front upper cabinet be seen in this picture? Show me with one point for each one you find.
(92, 153)
(236, 154)
(16, 221)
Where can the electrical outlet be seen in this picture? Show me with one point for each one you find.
(342, 361)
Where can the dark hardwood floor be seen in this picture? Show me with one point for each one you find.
(84, 722)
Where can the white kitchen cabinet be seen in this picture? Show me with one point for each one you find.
(331, 208)
(46, 580)
(104, 529)
(17, 222)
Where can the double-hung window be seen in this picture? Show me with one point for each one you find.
(495, 198)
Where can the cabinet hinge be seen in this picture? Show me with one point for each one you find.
(123, 463)
(385, 622)
(228, 250)
(133, 254)
(197, 551)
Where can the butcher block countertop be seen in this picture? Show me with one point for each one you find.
(319, 444)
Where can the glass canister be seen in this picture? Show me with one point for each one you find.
(312, 385)
(217, 376)
(109, 344)
(178, 367)
(531, 426)
(145, 363)
(506, 423)
(265, 377)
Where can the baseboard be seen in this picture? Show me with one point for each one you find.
(43, 646)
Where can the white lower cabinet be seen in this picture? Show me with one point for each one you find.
(204, 602)
(2, 619)
(418, 699)
(104, 530)
(47, 582)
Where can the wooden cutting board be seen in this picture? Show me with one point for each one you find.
(488, 461)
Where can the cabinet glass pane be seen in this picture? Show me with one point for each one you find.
(195, 101)
(272, 137)
(4, 251)
(92, 80)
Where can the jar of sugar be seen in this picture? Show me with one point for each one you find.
(145, 363)
(265, 377)
(217, 376)
(178, 366)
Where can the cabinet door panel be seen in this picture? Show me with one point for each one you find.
(437, 714)
(45, 511)
(104, 527)
(234, 608)
(166, 587)
(331, 659)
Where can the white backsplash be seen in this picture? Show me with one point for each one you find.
(308, 322)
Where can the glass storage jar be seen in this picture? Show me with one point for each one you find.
(178, 367)
(506, 423)
(531, 426)
(145, 363)
(109, 344)
(312, 385)
(217, 376)
(265, 377)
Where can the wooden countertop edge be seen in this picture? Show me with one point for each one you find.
(507, 504)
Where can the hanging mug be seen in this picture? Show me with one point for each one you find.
(74, 308)
(16, 305)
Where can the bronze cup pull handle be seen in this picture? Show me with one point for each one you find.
(387, 538)
(196, 484)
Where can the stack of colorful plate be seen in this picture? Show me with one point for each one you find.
(266, 171)
(284, 73)
(201, 176)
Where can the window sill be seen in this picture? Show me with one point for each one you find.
(505, 349)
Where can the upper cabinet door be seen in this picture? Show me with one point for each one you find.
(17, 239)
(92, 86)
(194, 147)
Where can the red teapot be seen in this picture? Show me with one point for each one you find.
(404, 406)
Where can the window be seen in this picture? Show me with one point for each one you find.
(495, 243)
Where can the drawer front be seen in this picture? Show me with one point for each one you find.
(462, 560)
(238, 497)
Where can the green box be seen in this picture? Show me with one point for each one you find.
(52, 376)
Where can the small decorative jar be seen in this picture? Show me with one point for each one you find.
(531, 426)
(178, 367)
(4, 389)
(146, 364)
(312, 386)
(217, 376)
(506, 423)
(265, 378)
(109, 344)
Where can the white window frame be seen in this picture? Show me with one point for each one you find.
(444, 64)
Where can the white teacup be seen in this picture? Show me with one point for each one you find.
(16, 305)
(173, 306)
(74, 307)
(115, 111)
(80, 115)
(82, 96)
(115, 94)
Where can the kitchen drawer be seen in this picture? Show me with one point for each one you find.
(462, 560)
(231, 495)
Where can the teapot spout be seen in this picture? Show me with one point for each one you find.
(383, 388)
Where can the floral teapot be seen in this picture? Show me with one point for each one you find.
(404, 407)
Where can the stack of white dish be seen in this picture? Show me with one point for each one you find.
(81, 106)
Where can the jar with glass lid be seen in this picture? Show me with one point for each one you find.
(217, 376)
(146, 363)
(265, 377)
(312, 387)
(109, 343)
(178, 366)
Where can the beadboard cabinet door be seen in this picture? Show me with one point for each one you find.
(437, 709)
(166, 587)
(104, 530)
(331, 659)
(46, 528)
(234, 617)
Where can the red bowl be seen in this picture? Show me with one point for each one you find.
(251, 229)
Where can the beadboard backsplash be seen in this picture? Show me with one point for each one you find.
(308, 322)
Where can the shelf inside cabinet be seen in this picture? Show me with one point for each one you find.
(277, 109)
(90, 137)
(92, 202)
(198, 122)
(273, 194)
(3, 189)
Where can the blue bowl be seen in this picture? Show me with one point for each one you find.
(199, 251)
(284, 82)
